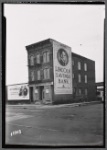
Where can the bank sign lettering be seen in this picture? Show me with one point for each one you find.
(62, 69)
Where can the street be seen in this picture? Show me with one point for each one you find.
(82, 125)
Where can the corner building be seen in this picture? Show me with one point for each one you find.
(56, 75)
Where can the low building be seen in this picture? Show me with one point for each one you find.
(57, 75)
(100, 91)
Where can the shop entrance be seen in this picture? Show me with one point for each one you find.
(41, 96)
(31, 94)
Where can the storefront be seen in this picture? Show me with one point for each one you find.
(41, 93)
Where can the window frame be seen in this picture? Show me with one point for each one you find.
(39, 77)
(79, 65)
(38, 58)
(85, 66)
(46, 56)
(79, 78)
(86, 78)
(32, 71)
(46, 73)
(32, 64)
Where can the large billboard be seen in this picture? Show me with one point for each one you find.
(62, 68)
(18, 92)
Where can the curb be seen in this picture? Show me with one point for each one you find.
(53, 106)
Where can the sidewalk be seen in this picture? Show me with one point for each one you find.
(27, 106)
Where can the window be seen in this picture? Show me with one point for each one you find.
(79, 91)
(32, 76)
(85, 78)
(79, 65)
(46, 57)
(38, 58)
(86, 92)
(85, 66)
(79, 78)
(47, 73)
(38, 75)
(32, 60)
(44, 72)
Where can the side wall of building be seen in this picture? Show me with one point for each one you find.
(83, 89)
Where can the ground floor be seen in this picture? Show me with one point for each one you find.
(45, 93)
(41, 92)
(55, 125)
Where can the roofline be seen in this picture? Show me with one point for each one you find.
(39, 42)
(46, 40)
(82, 56)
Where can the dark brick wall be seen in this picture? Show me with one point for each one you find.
(40, 50)
(62, 98)
(90, 85)
(40, 47)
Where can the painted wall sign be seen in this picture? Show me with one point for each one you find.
(18, 92)
(62, 69)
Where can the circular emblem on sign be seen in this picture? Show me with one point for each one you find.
(62, 57)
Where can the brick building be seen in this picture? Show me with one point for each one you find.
(56, 75)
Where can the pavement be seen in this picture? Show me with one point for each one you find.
(66, 125)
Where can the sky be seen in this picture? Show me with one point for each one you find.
(79, 26)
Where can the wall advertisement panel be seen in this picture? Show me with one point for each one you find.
(18, 92)
(62, 68)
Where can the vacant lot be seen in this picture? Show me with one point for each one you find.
(82, 125)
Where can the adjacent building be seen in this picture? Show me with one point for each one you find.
(100, 91)
(57, 75)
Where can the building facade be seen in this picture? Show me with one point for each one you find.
(83, 78)
(100, 91)
(56, 75)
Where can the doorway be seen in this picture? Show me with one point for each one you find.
(31, 94)
(41, 92)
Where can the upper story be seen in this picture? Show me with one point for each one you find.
(40, 65)
(40, 62)
(83, 70)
